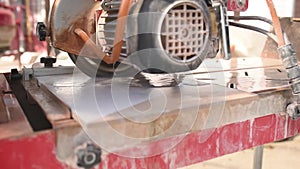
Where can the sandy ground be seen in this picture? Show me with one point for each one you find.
(279, 155)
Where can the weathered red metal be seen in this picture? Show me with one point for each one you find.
(39, 149)
(34, 151)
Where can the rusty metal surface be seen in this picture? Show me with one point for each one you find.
(17, 124)
(66, 16)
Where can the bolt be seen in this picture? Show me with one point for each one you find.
(88, 157)
(48, 61)
(240, 3)
(293, 110)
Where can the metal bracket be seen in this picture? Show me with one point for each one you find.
(89, 156)
(290, 62)
(293, 110)
(225, 32)
(28, 72)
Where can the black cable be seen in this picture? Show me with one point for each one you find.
(249, 27)
(259, 18)
(253, 28)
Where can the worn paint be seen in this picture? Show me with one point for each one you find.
(34, 151)
(227, 139)
(39, 149)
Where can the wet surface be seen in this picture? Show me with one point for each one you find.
(156, 80)
(210, 83)
(131, 110)
(241, 77)
(252, 80)
(113, 95)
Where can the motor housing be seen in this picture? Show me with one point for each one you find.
(168, 35)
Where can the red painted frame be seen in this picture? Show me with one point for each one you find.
(38, 150)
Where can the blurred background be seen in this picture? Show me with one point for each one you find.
(20, 47)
